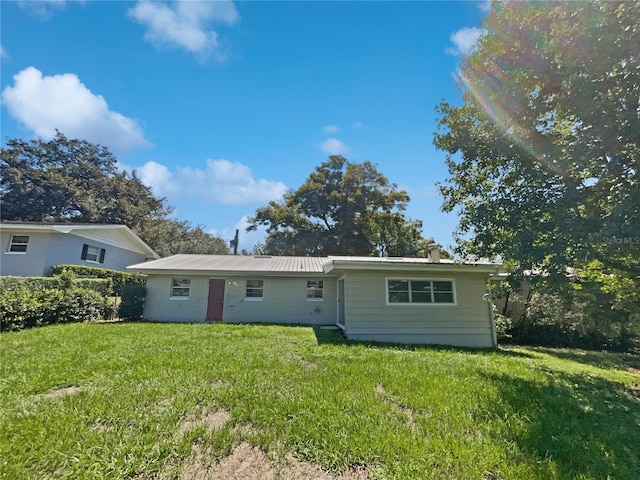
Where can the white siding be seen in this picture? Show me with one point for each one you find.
(368, 317)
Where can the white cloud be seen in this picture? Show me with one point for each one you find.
(183, 23)
(333, 146)
(46, 103)
(331, 129)
(3, 53)
(357, 125)
(420, 193)
(42, 9)
(159, 178)
(221, 181)
(465, 40)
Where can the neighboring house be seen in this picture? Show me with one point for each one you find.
(401, 300)
(31, 249)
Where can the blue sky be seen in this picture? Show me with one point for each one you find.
(221, 106)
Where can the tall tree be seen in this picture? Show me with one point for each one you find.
(68, 180)
(342, 208)
(171, 237)
(75, 181)
(544, 154)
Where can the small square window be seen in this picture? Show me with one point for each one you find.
(92, 254)
(315, 290)
(18, 243)
(255, 289)
(180, 287)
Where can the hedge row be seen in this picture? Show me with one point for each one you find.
(118, 278)
(104, 286)
(23, 307)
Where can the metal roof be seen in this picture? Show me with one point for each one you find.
(290, 265)
(234, 263)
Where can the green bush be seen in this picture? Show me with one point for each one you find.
(18, 307)
(32, 283)
(103, 286)
(23, 307)
(132, 304)
(118, 278)
(81, 305)
(570, 319)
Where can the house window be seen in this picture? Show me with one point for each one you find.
(18, 243)
(180, 288)
(92, 254)
(255, 289)
(315, 290)
(420, 291)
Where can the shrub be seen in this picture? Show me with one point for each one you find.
(569, 319)
(118, 278)
(18, 307)
(81, 305)
(132, 304)
(103, 286)
(23, 307)
(32, 283)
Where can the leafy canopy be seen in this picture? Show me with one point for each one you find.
(74, 181)
(544, 153)
(343, 208)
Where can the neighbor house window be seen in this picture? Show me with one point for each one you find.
(18, 243)
(420, 291)
(315, 290)
(255, 289)
(92, 254)
(180, 288)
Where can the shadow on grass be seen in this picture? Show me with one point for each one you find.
(335, 337)
(604, 359)
(586, 425)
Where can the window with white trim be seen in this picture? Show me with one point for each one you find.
(180, 288)
(18, 243)
(255, 289)
(315, 289)
(420, 291)
(92, 254)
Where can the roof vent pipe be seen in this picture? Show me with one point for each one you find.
(433, 253)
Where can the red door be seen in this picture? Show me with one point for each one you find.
(216, 299)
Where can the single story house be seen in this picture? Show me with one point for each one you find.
(31, 249)
(387, 299)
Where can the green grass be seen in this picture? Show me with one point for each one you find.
(405, 413)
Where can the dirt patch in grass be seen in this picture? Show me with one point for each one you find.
(247, 462)
(212, 420)
(387, 398)
(307, 365)
(62, 392)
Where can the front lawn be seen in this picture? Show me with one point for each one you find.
(125, 400)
